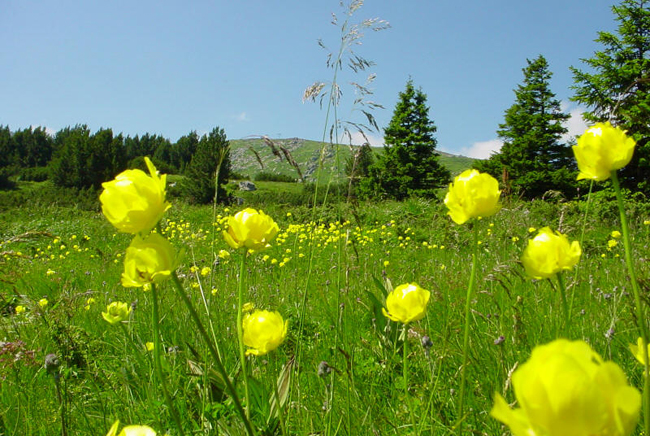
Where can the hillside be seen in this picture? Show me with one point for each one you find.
(252, 156)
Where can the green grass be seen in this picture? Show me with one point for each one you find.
(333, 271)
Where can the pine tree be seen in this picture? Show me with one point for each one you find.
(409, 165)
(212, 156)
(618, 89)
(533, 160)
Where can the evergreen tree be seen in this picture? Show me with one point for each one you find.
(409, 165)
(618, 89)
(183, 151)
(533, 160)
(212, 156)
(357, 166)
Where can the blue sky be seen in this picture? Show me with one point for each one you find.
(169, 67)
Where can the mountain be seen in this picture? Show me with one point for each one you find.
(250, 156)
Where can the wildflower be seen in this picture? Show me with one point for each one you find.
(148, 260)
(472, 195)
(566, 388)
(134, 202)
(549, 253)
(20, 309)
(131, 430)
(601, 150)
(616, 234)
(406, 303)
(50, 272)
(386, 263)
(612, 243)
(194, 269)
(116, 312)
(646, 223)
(514, 239)
(264, 331)
(247, 307)
(149, 346)
(205, 271)
(223, 254)
(251, 229)
(531, 229)
(43, 302)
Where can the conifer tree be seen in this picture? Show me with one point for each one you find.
(212, 156)
(533, 159)
(409, 164)
(616, 86)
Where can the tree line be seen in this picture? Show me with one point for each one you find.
(76, 158)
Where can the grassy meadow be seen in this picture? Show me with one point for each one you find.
(341, 369)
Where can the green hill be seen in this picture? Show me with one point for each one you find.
(255, 155)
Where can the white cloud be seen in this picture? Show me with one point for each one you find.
(482, 149)
(358, 139)
(242, 117)
(576, 124)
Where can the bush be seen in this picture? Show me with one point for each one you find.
(266, 176)
(36, 174)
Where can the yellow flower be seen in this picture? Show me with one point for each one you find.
(134, 202)
(20, 309)
(407, 303)
(43, 302)
(601, 150)
(616, 234)
(50, 272)
(149, 346)
(549, 253)
(223, 254)
(205, 271)
(116, 312)
(131, 430)
(251, 229)
(566, 388)
(148, 260)
(472, 195)
(247, 307)
(612, 243)
(637, 349)
(264, 331)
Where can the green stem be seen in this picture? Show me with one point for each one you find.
(240, 332)
(565, 306)
(637, 300)
(468, 299)
(582, 239)
(213, 353)
(283, 429)
(156, 360)
(137, 350)
(405, 367)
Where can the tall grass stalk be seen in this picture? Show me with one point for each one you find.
(240, 331)
(641, 317)
(213, 352)
(468, 299)
(157, 364)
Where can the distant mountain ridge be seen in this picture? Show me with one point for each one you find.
(250, 156)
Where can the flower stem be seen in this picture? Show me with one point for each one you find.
(470, 291)
(213, 353)
(565, 306)
(637, 300)
(240, 332)
(405, 367)
(156, 361)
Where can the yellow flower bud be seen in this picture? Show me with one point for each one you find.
(43, 302)
(472, 195)
(251, 229)
(549, 253)
(131, 430)
(601, 150)
(406, 303)
(264, 331)
(134, 202)
(566, 388)
(116, 312)
(149, 346)
(637, 349)
(148, 260)
(20, 309)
